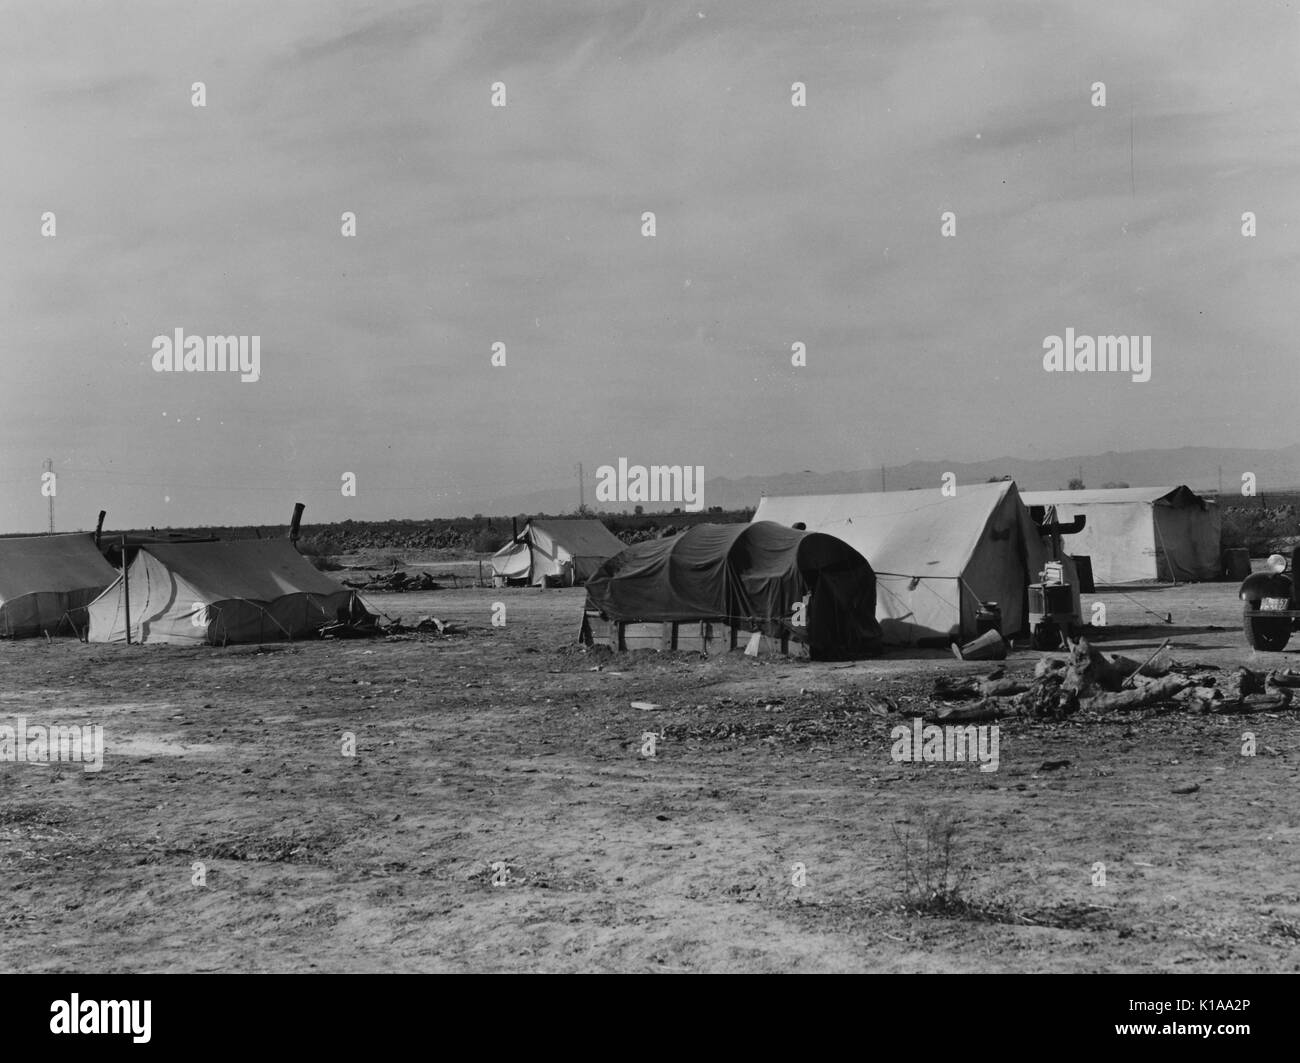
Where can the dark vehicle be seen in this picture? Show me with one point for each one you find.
(1270, 612)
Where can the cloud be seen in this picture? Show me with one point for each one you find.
(522, 224)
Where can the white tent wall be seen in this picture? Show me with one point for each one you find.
(1140, 535)
(151, 592)
(909, 609)
(570, 549)
(511, 562)
(935, 557)
(531, 560)
(1120, 539)
(166, 607)
(549, 557)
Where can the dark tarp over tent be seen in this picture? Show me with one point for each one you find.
(246, 591)
(46, 582)
(751, 576)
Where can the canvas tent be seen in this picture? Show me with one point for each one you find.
(1140, 534)
(47, 581)
(749, 578)
(567, 550)
(936, 557)
(248, 591)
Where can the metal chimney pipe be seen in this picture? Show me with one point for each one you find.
(99, 527)
(298, 507)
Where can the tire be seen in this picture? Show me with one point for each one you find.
(1263, 633)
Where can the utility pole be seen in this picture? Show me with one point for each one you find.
(582, 501)
(49, 467)
(882, 479)
(1220, 479)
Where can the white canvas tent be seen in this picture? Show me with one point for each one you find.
(249, 591)
(935, 557)
(571, 550)
(1140, 534)
(46, 582)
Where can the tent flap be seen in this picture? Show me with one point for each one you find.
(569, 549)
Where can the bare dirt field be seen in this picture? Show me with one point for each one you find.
(511, 746)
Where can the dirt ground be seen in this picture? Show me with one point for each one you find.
(511, 746)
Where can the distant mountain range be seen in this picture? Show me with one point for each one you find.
(1200, 468)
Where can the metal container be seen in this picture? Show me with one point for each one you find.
(1236, 563)
(988, 618)
(1050, 598)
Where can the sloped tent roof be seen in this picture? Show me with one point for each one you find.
(1181, 495)
(47, 581)
(753, 574)
(544, 545)
(1140, 534)
(244, 591)
(936, 557)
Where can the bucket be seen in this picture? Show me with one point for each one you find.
(988, 647)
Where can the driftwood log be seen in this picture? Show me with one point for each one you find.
(1201, 698)
(1005, 698)
(1090, 680)
(967, 688)
(989, 709)
(1143, 694)
(1270, 702)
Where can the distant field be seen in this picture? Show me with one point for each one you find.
(1261, 523)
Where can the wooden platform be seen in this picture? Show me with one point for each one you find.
(694, 636)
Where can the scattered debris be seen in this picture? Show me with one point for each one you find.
(395, 582)
(425, 625)
(879, 704)
(1088, 679)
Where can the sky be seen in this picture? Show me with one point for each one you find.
(522, 225)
